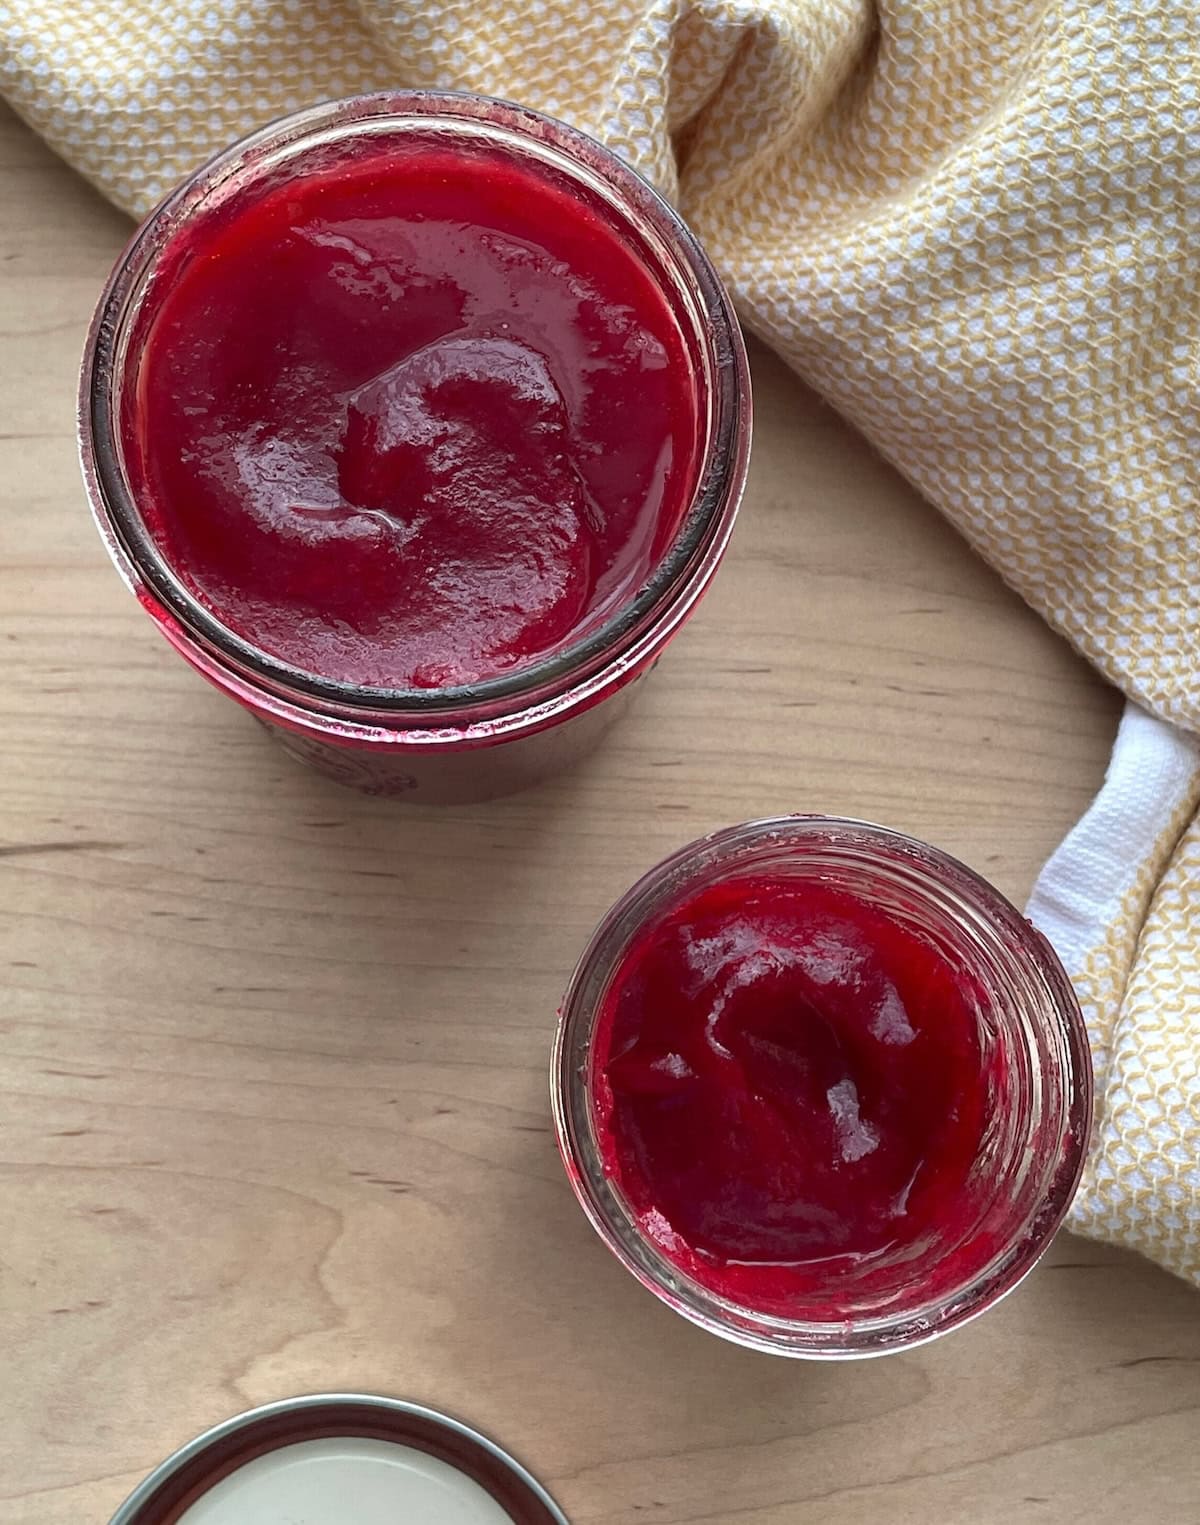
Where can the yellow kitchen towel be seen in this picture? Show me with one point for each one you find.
(974, 226)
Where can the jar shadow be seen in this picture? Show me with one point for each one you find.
(658, 1402)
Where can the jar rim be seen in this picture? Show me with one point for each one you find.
(917, 1322)
(679, 575)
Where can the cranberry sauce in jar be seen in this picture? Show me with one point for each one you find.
(419, 423)
(414, 420)
(821, 1088)
(789, 1086)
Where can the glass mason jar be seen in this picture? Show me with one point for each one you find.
(500, 734)
(1033, 1054)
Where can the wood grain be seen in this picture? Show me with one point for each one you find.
(273, 1056)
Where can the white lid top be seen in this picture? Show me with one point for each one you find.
(346, 1481)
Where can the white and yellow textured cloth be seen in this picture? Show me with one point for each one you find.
(974, 226)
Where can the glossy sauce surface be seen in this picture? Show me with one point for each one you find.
(789, 1088)
(416, 420)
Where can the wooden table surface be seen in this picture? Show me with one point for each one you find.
(273, 1056)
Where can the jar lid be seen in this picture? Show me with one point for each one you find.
(340, 1459)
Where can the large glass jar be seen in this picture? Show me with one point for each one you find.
(431, 743)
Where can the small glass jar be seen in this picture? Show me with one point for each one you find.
(1033, 1051)
(503, 733)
